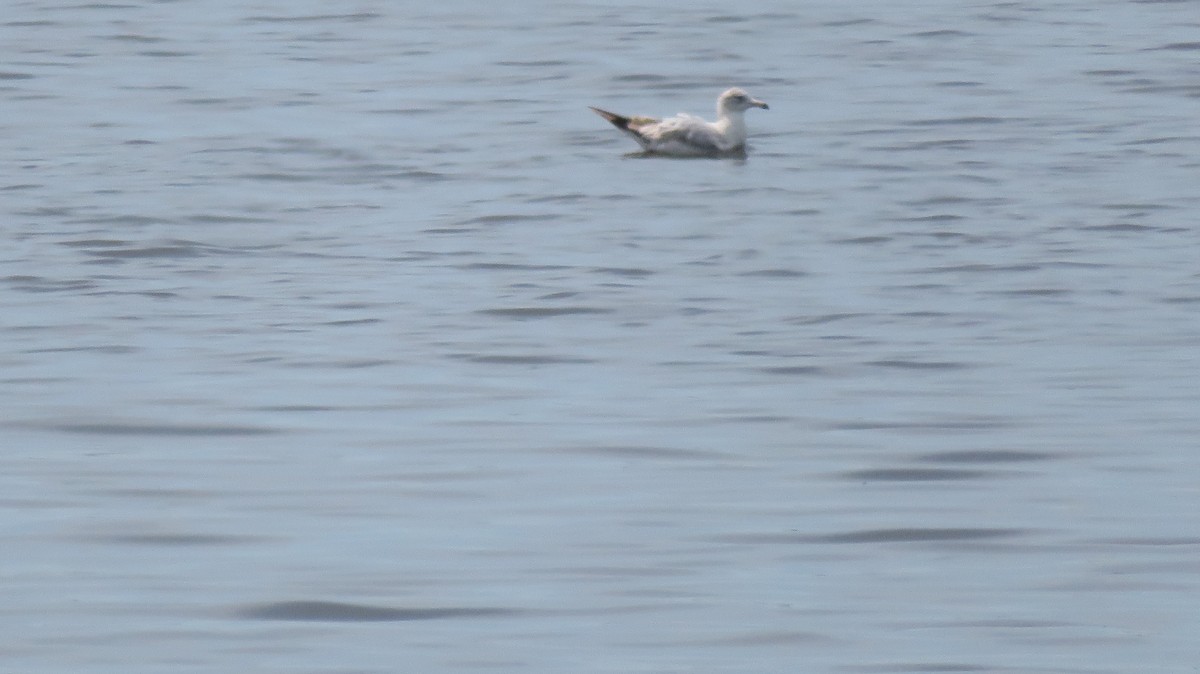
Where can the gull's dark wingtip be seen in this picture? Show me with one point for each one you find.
(616, 120)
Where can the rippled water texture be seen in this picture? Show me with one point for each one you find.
(345, 338)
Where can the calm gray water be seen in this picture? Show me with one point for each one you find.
(344, 338)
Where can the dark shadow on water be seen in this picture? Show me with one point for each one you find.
(519, 359)
(647, 452)
(792, 370)
(328, 611)
(918, 365)
(984, 456)
(899, 535)
(912, 535)
(542, 312)
(740, 156)
(153, 429)
(921, 667)
(178, 540)
(912, 474)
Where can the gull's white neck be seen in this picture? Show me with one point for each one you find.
(732, 125)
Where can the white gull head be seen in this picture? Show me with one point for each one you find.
(737, 101)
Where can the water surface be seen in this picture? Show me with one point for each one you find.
(347, 339)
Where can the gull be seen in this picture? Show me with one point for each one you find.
(685, 135)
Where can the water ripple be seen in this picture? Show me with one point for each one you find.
(328, 611)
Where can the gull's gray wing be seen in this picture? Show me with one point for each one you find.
(684, 134)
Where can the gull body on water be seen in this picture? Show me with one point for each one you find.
(686, 135)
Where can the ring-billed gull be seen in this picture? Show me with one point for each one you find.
(685, 135)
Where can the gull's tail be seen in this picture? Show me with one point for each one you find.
(616, 120)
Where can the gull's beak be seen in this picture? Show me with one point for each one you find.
(759, 104)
